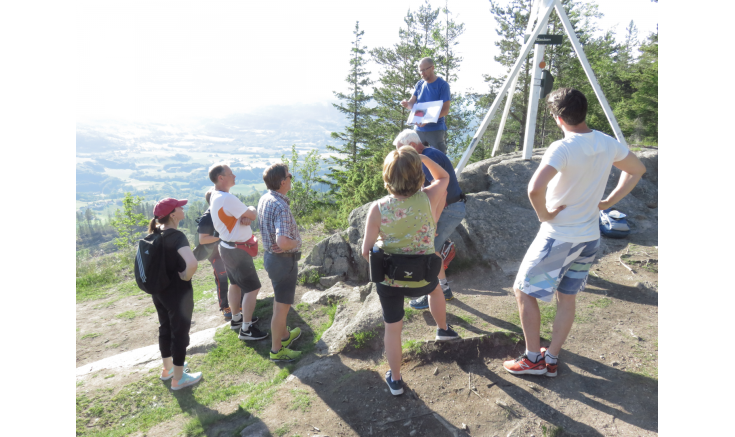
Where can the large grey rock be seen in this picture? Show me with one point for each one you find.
(500, 223)
(319, 370)
(347, 321)
(340, 254)
(649, 158)
(329, 281)
(510, 178)
(647, 188)
(338, 292)
(474, 177)
(497, 228)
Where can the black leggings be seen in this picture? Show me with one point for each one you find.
(174, 309)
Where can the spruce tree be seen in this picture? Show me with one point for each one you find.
(354, 104)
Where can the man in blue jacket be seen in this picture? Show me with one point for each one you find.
(454, 210)
(429, 89)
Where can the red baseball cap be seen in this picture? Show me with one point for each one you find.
(167, 205)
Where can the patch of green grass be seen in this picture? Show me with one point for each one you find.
(466, 319)
(412, 346)
(263, 308)
(648, 367)
(110, 376)
(149, 310)
(301, 306)
(109, 303)
(603, 302)
(130, 314)
(409, 313)
(282, 430)
(138, 406)
(300, 400)
(196, 427)
(259, 263)
(329, 310)
(362, 338)
(80, 383)
(91, 335)
(95, 276)
(310, 277)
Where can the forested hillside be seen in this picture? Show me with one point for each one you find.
(337, 156)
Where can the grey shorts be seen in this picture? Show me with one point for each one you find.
(240, 269)
(436, 139)
(283, 272)
(451, 217)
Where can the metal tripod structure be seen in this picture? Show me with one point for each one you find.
(541, 10)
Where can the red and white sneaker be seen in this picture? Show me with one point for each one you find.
(523, 366)
(550, 368)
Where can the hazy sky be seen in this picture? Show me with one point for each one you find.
(146, 61)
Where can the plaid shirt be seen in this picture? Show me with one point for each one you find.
(275, 218)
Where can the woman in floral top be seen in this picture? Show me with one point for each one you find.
(404, 222)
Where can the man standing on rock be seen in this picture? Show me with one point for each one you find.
(281, 242)
(429, 89)
(454, 209)
(231, 219)
(565, 191)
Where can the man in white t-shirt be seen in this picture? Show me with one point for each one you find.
(231, 219)
(566, 192)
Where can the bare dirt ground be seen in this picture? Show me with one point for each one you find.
(607, 383)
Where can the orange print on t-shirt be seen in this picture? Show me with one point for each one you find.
(228, 220)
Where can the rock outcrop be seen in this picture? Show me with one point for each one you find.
(351, 318)
(500, 222)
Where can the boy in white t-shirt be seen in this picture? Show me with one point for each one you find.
(231, 219)
(566, 192)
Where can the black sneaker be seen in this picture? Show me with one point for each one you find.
(255, 320)
(446, 334)
(252, 333)
(396, 387)
(236, 324)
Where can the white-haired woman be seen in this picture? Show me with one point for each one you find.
(404, 222)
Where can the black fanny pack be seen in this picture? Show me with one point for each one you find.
(412, 268)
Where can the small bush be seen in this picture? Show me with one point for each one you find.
(362, 338)
(411, 346)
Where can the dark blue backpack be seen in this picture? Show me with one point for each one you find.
(613, 224)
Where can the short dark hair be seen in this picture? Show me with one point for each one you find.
(208, 195)
(569, 104)
(215, 171)
(274, 175)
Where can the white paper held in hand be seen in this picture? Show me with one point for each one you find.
(425, 112)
